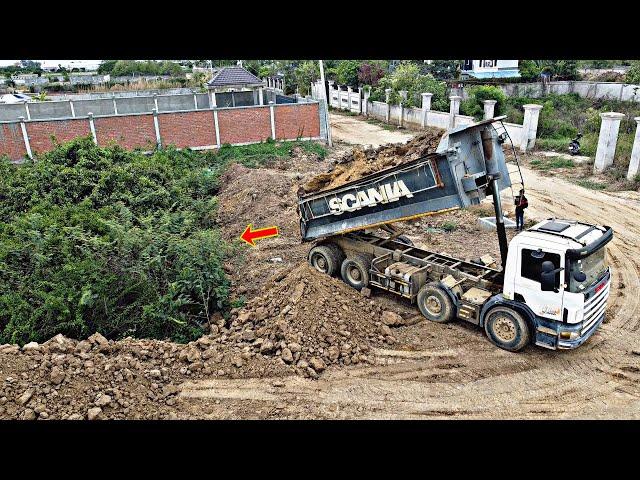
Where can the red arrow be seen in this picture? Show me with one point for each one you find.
(250, 235)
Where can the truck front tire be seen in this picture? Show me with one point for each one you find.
(326, 258)
(435, 304)
(506, 329)
(355, 271)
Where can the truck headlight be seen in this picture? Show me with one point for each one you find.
(569, 335)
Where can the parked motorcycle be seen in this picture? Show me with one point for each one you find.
(574, 145)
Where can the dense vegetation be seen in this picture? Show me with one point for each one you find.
(148, 67)
(103, 239)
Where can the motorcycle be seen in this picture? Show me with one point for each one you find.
(574, 145)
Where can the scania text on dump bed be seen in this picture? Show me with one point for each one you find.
(554, 284)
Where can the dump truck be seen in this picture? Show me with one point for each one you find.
(553, 284)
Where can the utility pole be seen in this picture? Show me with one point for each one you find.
(326, 105)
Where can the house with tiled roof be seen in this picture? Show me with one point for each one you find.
(235, 87)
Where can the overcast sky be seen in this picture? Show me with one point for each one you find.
(55, 63)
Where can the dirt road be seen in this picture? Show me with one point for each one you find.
(452, 371)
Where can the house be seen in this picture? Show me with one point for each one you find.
(235, 87)
(482, 69)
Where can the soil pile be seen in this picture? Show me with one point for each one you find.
(311, 320)
(362, 162)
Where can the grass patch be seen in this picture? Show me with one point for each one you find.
(545, 164)
(449, 226)
(591, 184)
(383, 125)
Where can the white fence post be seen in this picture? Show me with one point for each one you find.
(73, 110)
(530, 126)
(25, 136)
(426, 106)
(634, 164)
(216, 125)
(365, 105)
(273, 120)
(454, 109)
(195, 101)
(401, 113)
(349, 91)
(489, 108)
(92, 127)
(607, 140)
(156, 125)
(115, 106)
(387, 95)
(155, 101)
(26, 110)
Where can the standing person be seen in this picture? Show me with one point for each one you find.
(521, 203)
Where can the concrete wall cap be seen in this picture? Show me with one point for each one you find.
(532, 106)
(427, 94)
(637, 119)
(455, 97)
(614, 115)
(489, 102)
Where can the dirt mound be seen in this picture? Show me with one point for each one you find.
(311, 320)
(359, 163)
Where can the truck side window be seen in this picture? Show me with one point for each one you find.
(531, 267)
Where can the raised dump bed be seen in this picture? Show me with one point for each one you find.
(457, 175)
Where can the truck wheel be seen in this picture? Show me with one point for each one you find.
(326, 258)
(506, 329)
(355, 271)
(406, 240)
(435, 304)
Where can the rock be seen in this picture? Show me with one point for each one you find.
(248, 335)
(103, 400)
(267, 347)
(302, 364)
(94, 413)
(75, 416)
(286, 355)
(98, 339)
(57, 375)
(83, 347)
(237, 361)
(385, 330)
(28, 414)
(59, 343)
(317, 364)
(214, 330)
(392, 319)
(32, 347)
(26, 396)
(333, 353)
(294, 347)
(155, 373)
(9, 349)
(193, 355)
(365, 292)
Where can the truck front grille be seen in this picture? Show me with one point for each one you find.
(594, 308)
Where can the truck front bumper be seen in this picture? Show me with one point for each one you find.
(562, 336)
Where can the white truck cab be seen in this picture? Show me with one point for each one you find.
(557, 275)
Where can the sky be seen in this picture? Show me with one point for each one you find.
(88, 64)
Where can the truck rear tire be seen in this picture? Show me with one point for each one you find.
(507, 329)
(355, 271)
(326, 258)
(435, 304)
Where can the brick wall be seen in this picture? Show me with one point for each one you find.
(128, 131)
(40, 133)
(11, 141)
(189, 129)
(242, 125)
(182, 129)
(299, 120)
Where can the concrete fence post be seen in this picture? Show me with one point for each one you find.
(73, 110)
(273, 120)
(115, 106)
(489, 108)
(25, 136)
(195, 101)
(261, 96)
(530, 126)
(365, 105)
(156, 125)
(454, 109)
(92, 127)
(387, 96)
(349, 92)
(426, 106)
(26, 110)
(401, 113)
(607, 140)
(216, 125)
(634, 164)
(330, 97)
(403, 94)
(155, 102)
(213, 99)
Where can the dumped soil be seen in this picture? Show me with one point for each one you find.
(362, 162)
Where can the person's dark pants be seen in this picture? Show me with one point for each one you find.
(519, 219)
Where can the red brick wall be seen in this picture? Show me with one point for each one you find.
(299, 120)
(11, 141)
(188, 129)
(40, 133)
(244, 125)
(128, 131)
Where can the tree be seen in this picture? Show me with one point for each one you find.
(529, 70)
(106, 66)
(407, 76)
(306, 73)
(346, 72)
(443, 69)
(370, 73)
(633, 74)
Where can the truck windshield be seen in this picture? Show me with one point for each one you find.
(592, 266)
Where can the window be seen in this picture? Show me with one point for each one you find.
(532, 267)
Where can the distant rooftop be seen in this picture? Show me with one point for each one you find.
(233, 76)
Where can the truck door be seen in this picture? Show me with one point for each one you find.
(527, 283)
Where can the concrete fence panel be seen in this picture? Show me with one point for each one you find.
(13, 111)
(187, 129)
(42, 135)
(299, 121)
(244, 125)
(128, 131)
(44, 110)
(97, 107)
(167, 103)
(134, 105)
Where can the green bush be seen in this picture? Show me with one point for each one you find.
(474, 106)
(407, 77)
(103, 239)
